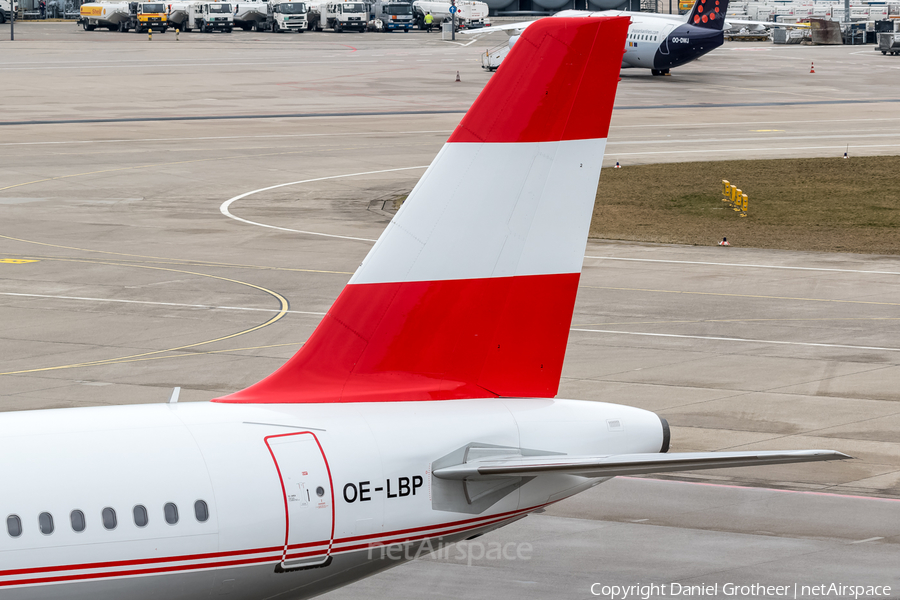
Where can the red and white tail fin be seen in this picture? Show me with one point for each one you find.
(469, 291)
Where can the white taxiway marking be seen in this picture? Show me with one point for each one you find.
(225, 205)
(296, 312)
(871, 539)
(748, 123)
(706, 150)
(729, 339)
(461, 44)
(751, 139)
(718, 264)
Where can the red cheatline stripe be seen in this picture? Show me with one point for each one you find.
(135, 562)
(307, 545)
(182, 568)
(157, 570)
(391, 534)
(467, 524)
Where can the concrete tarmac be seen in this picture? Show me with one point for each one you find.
(121, 277)
(681, 537)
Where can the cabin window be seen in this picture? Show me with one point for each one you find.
(14, 525)
(201, 511)
(45, 522)
(109, 518)
(140, 516)
(77, 519)
(171, 512)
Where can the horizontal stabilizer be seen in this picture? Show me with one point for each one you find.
(627, 464)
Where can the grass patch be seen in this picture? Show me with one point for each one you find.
(819, 204)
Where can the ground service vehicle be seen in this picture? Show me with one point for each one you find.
(209, 16)
(178, 12)
(469, 13)
(146, 16)
(343, 16)
(284, 15)
(6, 9)
(105, 14)
(889, 43)
(391, 15)
(251, 15)
(472, 14)
(124, 16)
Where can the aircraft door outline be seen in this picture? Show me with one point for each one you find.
(303, 471)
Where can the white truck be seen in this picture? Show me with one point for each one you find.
(470, 13)
(6, 9)
(339, 15)
(391, 15)
(286, 15)
(473, 13)
(251, 14)
(124, 16)
(208, 17)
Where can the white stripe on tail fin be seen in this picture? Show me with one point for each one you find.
(469, 292)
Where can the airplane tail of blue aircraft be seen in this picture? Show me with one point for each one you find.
(708, 14)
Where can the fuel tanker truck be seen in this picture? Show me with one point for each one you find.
(202, 16)
(251, 14)
(124, 16)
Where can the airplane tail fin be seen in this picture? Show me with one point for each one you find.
(708, 14)
(469, 292)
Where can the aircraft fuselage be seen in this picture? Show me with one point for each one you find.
(188, 500)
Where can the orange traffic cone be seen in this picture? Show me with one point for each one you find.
(724, 242)
(457, 76)
(812, 67)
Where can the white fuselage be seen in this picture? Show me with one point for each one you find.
(645, 36)
(296, 498)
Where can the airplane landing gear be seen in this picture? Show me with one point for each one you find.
(658, 72)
